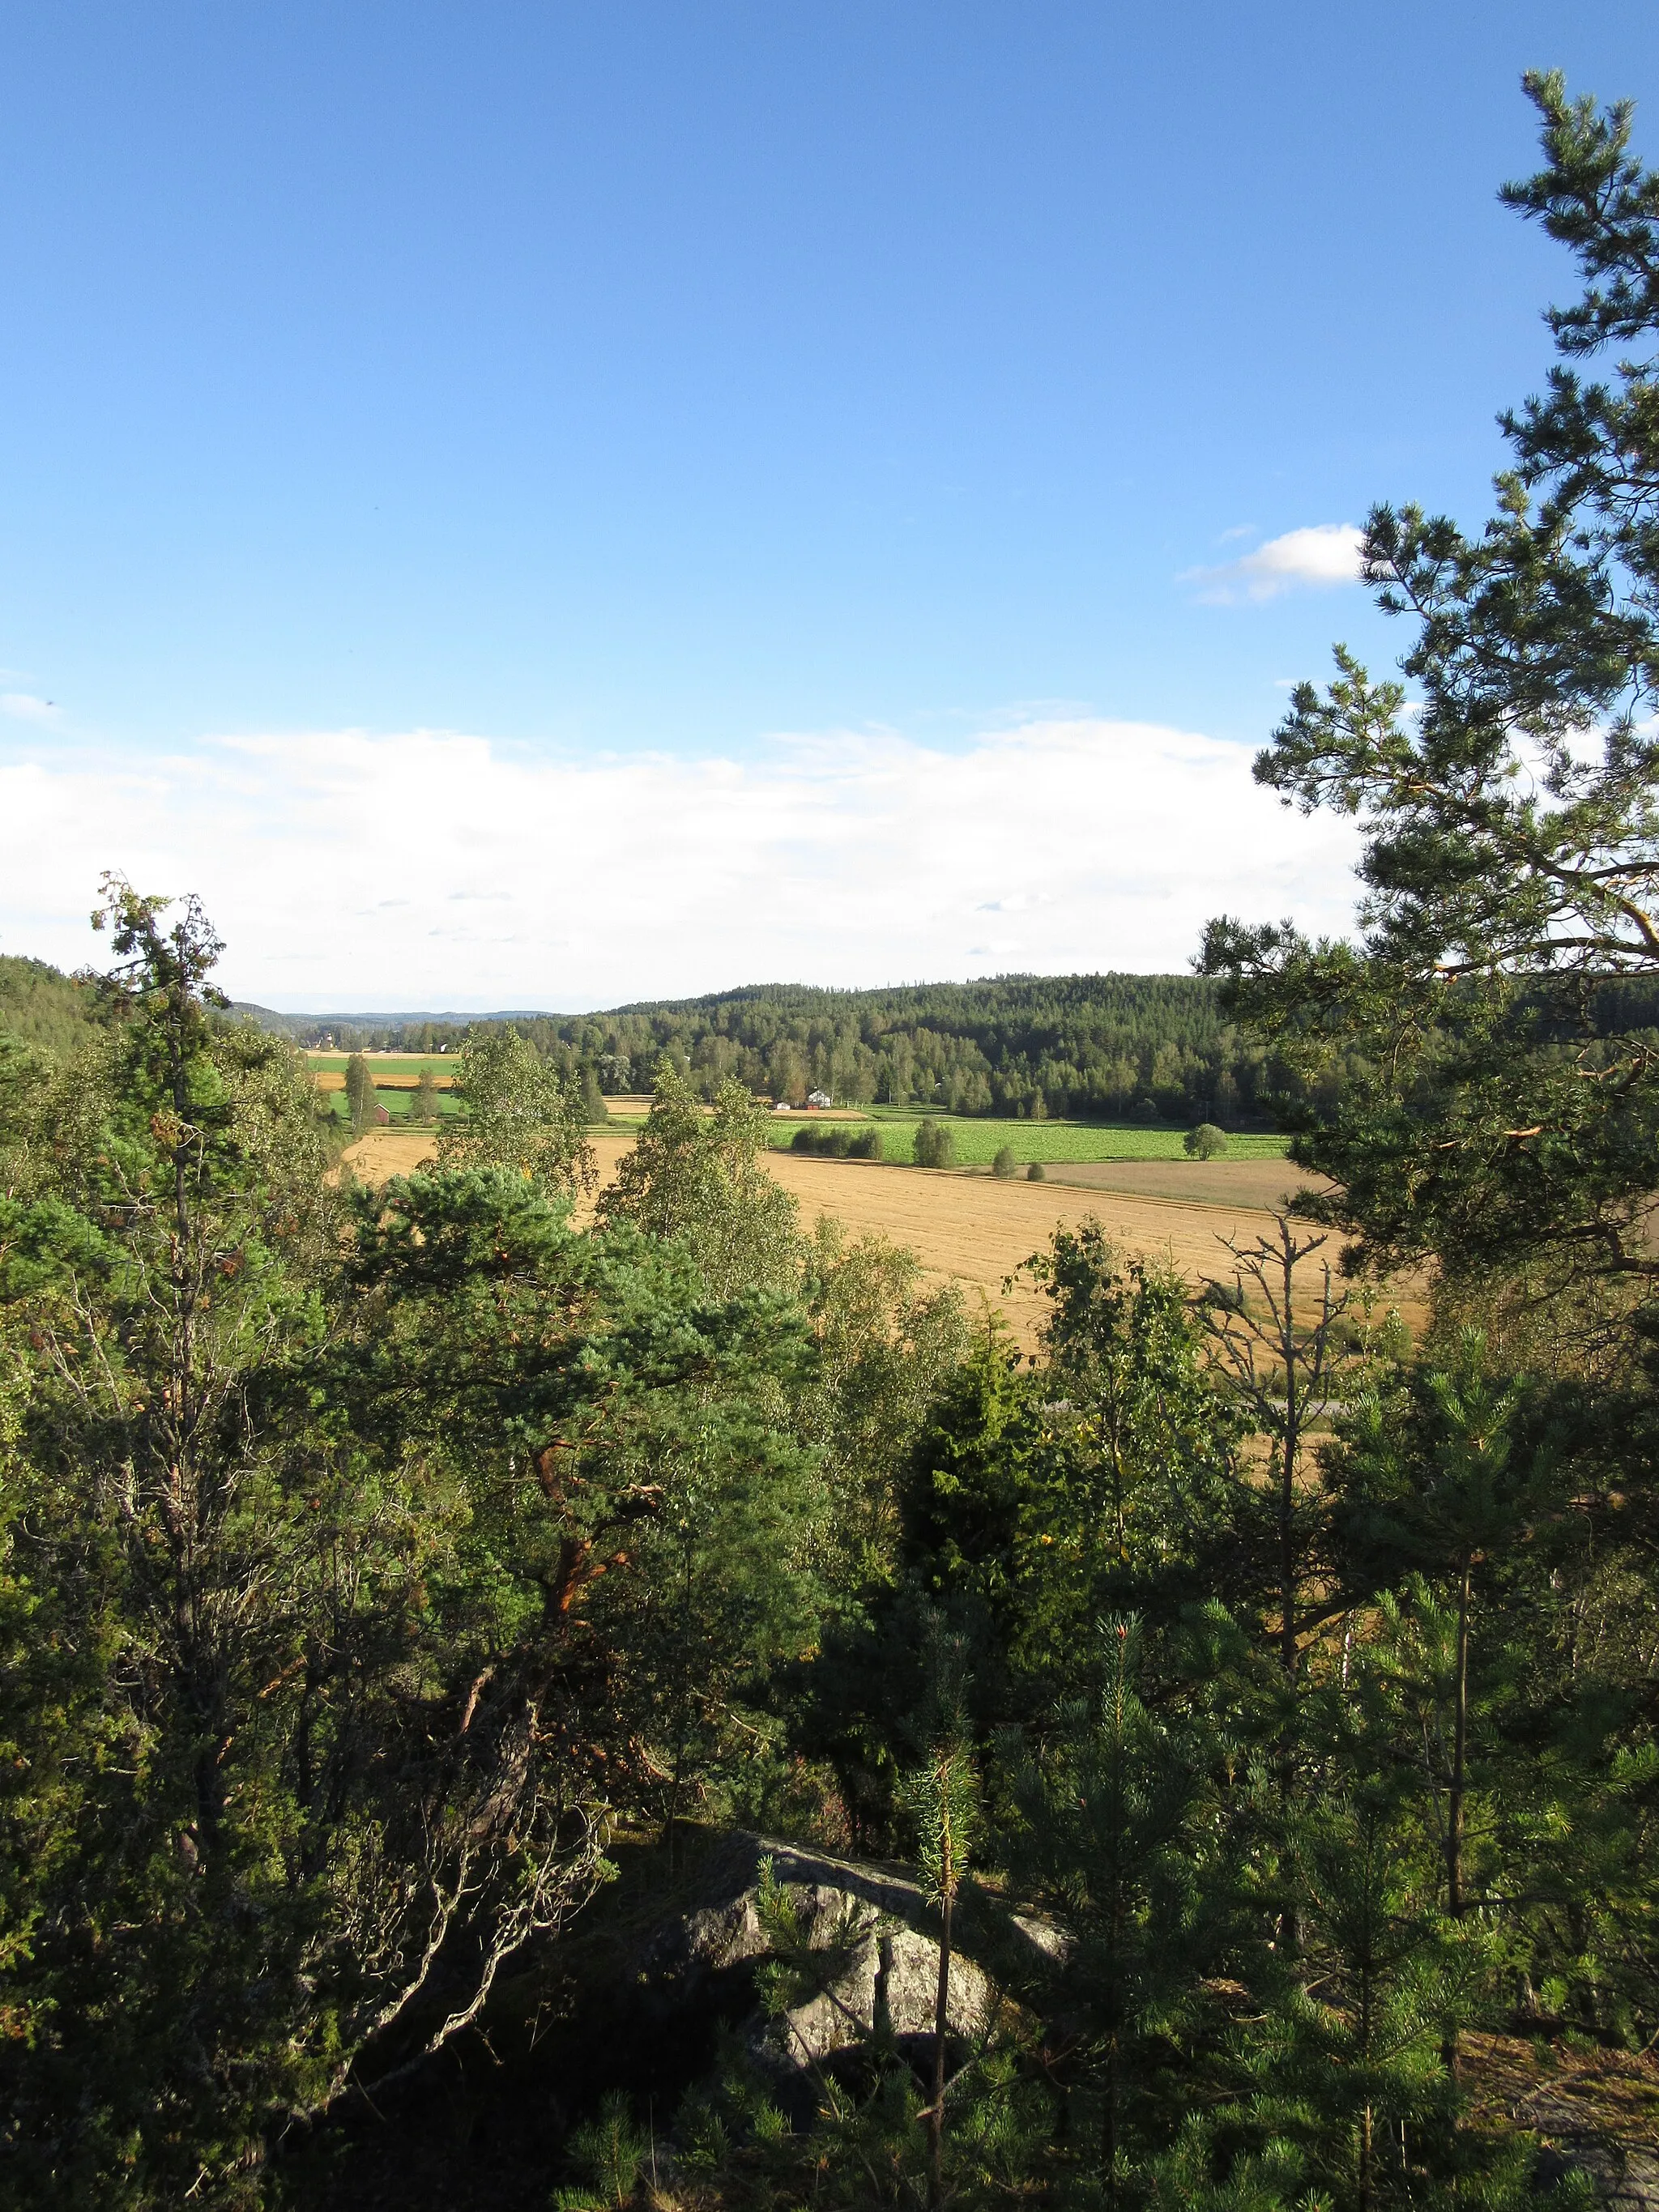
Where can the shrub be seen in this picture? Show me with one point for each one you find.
(1206, 1142)
(1005, 1163)
(1035, 1174)
(594, 1111)
(933, 1146)
(838, 1144)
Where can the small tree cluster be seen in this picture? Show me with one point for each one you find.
(932, 1145)
(835, 1143)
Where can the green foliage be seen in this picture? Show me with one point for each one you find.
(837, 1142)
(665, 1520)
(52, 1014)
(1117, 1825)
(360, 1093)
(1138, 1469)
(1005, 1163)
(516, 1113)
(1485, 1115)
(423, 1107)
(696, 1177)
(361, 1556)
(594, 1111)
(1034, 1173)
(933, 1145)
(886, 1341)
(1146, 1047)
(977, 1139)
(966, 1487)
(609, 2153)
(1206, 1142)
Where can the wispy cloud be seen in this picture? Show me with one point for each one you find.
(430, 868)
(1319, 556)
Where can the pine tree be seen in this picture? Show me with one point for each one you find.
(1114, 1807)
(1487, 1115)
(943, 1797)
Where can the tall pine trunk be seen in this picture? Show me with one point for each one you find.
(1456, 1792)
(941, 2027)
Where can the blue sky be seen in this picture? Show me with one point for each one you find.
(817, 404)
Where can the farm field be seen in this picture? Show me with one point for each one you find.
(391, 1071)
(380, 1154)
(977, 1231)
(1206, 1182)
(969, 1228)
(978, 1142)
(396, 1075)
(400, 1104)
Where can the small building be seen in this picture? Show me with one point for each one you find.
(818, 1100)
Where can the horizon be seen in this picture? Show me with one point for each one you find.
(560, 505)
(731, 994)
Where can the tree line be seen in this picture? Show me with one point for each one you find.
(1150, 1048)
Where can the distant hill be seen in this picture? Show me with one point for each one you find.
(43, 1006)
(305, 1029)
(1150, 1047)
(1107, 1046)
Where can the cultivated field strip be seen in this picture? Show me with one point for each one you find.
(970, 1228)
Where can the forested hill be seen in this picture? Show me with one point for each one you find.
(1144, 1047)
(1012, 1045)
(43, 1006)
(1152, 1046)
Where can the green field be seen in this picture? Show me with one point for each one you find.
(398, 1104)
(387, 1064)
(978, 1142)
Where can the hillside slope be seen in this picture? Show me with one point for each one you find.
(43, 1006)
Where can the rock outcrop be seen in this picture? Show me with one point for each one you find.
(871, 1936)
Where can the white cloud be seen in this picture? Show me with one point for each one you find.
(434, 870)
(1323, 554)
(23, 707)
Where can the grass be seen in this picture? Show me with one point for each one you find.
(978, 1142)
(399, 1104)
(394, 1066)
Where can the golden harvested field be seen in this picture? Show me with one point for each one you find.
(1210, 1182)
(977, 1231)
(970, 1228)
(380, 1154)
